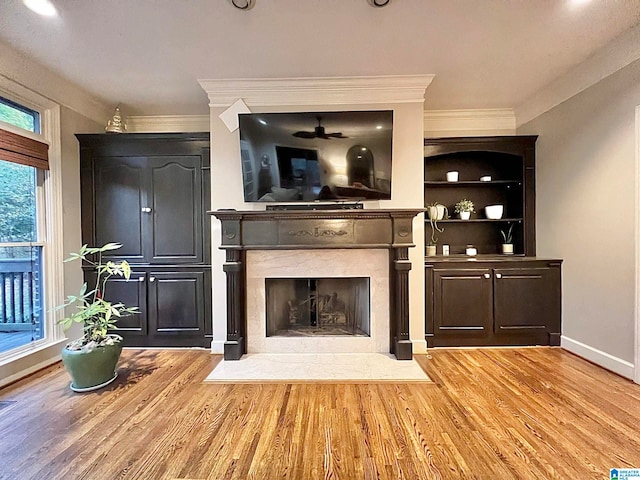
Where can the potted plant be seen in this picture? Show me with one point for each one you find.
(436, 211)
(507, 245)
(91, 360)
(464, 208)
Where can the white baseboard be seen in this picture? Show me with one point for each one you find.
(28, 371)
(217, 346)
(419, 346)
(605, 360)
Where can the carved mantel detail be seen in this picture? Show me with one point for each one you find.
(390, 229)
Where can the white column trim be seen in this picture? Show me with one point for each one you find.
(168, 123)
(268, 92)
(54, 257)
(465, 122)
(636, 312)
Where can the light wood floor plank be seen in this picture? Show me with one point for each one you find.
(530, 413)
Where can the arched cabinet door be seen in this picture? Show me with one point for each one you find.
(176, 214)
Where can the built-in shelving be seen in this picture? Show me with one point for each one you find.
(510, 162)
(491, 298)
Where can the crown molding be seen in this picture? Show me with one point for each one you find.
(268, 92)
(617, 54)
(168, 123)
(481, 121)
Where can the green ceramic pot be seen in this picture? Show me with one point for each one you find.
(95, 369)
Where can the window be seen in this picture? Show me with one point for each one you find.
(30, 224)
(20, 242)
(21, 117)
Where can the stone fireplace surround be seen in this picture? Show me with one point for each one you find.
(326, 263)
(390, 229)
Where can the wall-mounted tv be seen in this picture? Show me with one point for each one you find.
(316, 156)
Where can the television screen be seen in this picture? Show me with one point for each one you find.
(316, 156)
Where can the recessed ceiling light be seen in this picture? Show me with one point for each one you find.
(41, 7)
(379, 127)
(578, 3)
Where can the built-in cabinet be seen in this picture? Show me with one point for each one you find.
(488, 298)
(493, 302)
(150, 193)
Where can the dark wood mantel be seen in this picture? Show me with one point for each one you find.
(390, 229)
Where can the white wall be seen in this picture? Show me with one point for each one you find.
(586, 214)
(407, 191)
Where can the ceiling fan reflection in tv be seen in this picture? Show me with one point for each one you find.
(318, 132)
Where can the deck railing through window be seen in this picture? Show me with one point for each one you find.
(20, 302)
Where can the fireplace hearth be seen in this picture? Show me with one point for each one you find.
(390, 230)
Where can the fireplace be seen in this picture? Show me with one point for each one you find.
(320, 245)
(316, 307)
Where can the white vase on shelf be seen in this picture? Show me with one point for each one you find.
(465, 215)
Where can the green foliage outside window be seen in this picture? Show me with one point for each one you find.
(17, 117)
(17, 203)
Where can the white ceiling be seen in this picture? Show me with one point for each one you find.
(148, 54)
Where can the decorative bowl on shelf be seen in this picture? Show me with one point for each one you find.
(452, 176)
(494, 212)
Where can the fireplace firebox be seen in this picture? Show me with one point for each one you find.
(303, 307)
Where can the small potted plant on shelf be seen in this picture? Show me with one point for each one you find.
(464, 208)
(436, 211)
(507, 237)
(91, 360)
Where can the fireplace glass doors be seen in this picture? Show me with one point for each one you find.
(318, 307)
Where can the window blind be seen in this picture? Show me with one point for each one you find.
(25, 151)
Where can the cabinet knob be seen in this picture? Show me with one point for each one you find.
(146, 209)
(487, 275)
(152, 279)
(498, 275)
(141, 279)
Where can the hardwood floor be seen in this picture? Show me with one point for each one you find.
(531, 413)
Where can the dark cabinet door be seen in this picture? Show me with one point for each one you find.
(176, 303)
(176, 210)
(526, 300)
(132, 293)
(120, 203)
(463, 302)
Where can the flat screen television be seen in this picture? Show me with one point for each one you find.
(316, 156)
